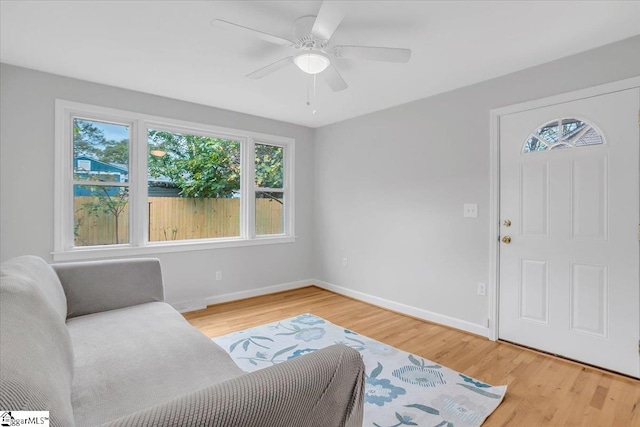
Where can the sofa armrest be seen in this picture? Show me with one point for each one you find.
(324, 388)
(96, 286)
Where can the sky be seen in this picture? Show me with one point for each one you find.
(113, 132)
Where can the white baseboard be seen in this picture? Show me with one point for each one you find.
(405, 309)
(202, 303)
(430, 316)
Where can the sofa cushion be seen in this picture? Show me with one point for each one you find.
(132, 358)
(95, 286)
(36, 359)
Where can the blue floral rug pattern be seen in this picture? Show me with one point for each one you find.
(401, 389)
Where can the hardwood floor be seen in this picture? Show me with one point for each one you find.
(542, 390)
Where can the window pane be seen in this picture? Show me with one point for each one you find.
(269, 212)
(590, 137)
(570, 127)
(100, 151)
(269, 166)
(549, 132)
(100, 215)
(534, 144)
(193, 186)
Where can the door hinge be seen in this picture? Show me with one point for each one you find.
(638, 232)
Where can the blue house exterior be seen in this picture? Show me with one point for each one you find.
(90, 169)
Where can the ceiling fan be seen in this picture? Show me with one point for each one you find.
(311, 35)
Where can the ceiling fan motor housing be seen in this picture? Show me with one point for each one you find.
(302, 34)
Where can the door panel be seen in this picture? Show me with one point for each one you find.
(589, 198)
(534, 196)
(569, 278)
(589, 290)
(534, 290)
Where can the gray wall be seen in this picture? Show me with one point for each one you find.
(26, 184)
(384, 190)
(390, 186)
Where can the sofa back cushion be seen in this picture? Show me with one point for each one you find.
(97, 286)
(36, 357)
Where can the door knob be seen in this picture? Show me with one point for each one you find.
(506, 239)
(507, 223)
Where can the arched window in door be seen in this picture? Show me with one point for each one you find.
(563, 133)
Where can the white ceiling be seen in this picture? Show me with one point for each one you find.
(169, 48)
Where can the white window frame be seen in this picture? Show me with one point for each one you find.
(64, 249)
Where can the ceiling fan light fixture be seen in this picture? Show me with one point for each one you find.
(312, 62)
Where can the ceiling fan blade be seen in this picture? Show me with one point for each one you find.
(388, 54)
(258, 74)
(329, 17)
(256, 33)
(334, 79)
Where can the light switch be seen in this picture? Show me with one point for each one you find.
(470, 210)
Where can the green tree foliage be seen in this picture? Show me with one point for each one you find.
(201, 167)
(269, 171)
(269, 166)
(116, 152)
(206, 167)
(89, 141)
(87, 138)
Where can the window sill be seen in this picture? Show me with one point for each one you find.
(94, 252)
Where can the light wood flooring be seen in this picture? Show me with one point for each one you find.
(542, 390)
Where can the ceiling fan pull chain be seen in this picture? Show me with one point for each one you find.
(308, 90)
(314, 93)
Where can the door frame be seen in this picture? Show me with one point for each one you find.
(494, 179)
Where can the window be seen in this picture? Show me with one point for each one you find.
(100, 182)
(563, 133)
(130, 183)
(193, 186)
(269, 194)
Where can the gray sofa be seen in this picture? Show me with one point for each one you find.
(94, 344)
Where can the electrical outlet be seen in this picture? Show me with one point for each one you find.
(218, 275)
(470, 210)
(482, 288)
(345, 262)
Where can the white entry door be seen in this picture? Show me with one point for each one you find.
(569, 203)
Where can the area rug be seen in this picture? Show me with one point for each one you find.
(401, 389)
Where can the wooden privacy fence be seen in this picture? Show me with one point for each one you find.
(175, 218)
